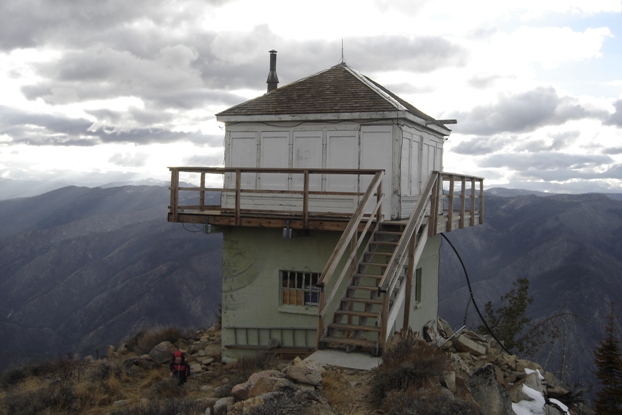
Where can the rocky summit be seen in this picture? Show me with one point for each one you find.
(487, 380)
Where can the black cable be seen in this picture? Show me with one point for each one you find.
(190, 230)
(466, 274)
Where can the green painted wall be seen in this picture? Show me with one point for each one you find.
(252, 259)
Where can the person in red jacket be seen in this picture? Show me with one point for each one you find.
(180, 368)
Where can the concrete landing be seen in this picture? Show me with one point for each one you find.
(339, 358)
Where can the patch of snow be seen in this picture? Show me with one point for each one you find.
(533, 407)
(529, 371)
(560, 405)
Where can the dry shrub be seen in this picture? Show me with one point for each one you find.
(432, 401)
(153, 377)
(145, 340)
(59, 397)
(333, 384)
(262, 361)
(165, 407)
(420, 366)
(166, 389)
(63, 368)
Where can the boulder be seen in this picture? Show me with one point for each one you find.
(464, 344)
(163, 352)
(303, 372)
(492, 398)
(213, 350)
(241, 391)
(222, 406)
(269, 384)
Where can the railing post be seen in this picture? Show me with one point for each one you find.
(463, 203)
(450, 207)
(409, 279)
(202, 193)
(320, 321)
(305, 201)
(481, 201)
(174, 194)
(379, 201)
(238, 182)
(472, 220)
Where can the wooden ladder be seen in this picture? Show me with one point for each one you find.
(357, 321)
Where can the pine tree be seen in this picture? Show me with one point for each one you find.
(609, 371)
(509, 319)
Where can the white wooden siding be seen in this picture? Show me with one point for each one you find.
(307, 153)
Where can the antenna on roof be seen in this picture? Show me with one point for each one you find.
(342, 59)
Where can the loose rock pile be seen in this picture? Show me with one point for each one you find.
(497, 380)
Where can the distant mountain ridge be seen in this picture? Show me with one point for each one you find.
(81, 268)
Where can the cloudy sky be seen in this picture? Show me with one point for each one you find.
(98, 91)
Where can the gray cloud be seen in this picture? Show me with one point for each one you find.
(615, 119)
(45, 129)
(482, 145)
(524, 112)
(612, 150)
(28, 23)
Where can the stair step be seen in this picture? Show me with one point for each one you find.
(368, 276)
(384, 243)
(357, 313)
(363, 287)
(379, 253)
(340, 326)
(373, 264)
(353, 342)
(361, 300)
(388, 233)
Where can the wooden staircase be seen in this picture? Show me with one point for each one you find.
(367, 282)
(358, 320)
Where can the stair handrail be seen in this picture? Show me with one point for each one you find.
(348, 235)
(415, 221)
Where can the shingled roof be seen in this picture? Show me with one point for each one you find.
(338, 90)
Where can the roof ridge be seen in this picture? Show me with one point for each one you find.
(374, 87)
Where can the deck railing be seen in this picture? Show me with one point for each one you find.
(309, 184)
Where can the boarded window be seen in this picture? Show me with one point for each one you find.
(299, 288)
